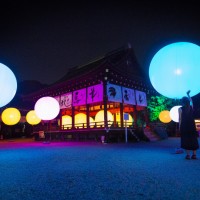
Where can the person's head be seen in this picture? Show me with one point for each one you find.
(185, 101)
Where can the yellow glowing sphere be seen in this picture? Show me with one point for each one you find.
(99, 118)
(66, 121)
(129, 121)
(11, 116)
(32, 118)
(164, 116)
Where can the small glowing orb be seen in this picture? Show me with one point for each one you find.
(175, 69)
(174, 113)
(66, 121)
(129, 121)
(47, 108)
(99, 118)
(8, 85)
(11, 116)
(32, 118)
(164, 116)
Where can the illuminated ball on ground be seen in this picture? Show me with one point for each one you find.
(47, 108)
(175, 69)
(99, 118)
(164, 116)
(32, 118)
(174, 113)
(11, 116)
(8, 85)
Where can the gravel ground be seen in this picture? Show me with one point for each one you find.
(90, 170)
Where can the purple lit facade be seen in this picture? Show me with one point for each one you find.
(113, 83)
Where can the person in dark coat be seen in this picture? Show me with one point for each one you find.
(187, 128)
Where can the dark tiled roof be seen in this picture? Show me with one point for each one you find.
(113, 59)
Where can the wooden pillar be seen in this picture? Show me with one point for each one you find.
(105, 101)
(122, 114)
(73, 113)
(135, 116)
(88, 115)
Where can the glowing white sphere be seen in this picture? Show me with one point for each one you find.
(174, 113)
(11, 116)
(175, 69)
(99, 118)
(47, 108)
(8, 85)
(32, 118)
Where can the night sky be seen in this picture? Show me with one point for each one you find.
(40, 41)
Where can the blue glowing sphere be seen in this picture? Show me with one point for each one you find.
(8, 85)
(175, 69)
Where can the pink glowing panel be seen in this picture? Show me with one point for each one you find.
(65, 100)
(95, 93)
(47, 108)
(79, 97)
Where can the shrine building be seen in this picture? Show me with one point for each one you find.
(105, 95)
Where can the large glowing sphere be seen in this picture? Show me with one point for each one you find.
(8, 85)
(32, 118)
(175, 69)
(99, 118)
(11, 116)
(164, 116)
(47, 108)
(174, 113)
(66, 121)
